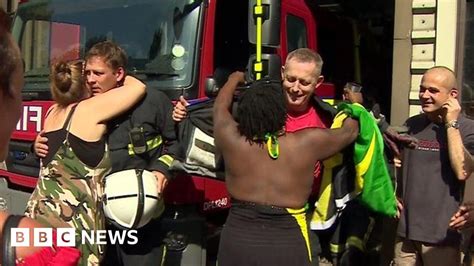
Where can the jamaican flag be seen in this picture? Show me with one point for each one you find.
(372, 177)
(358, 172)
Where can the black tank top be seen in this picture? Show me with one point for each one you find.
(90, 153)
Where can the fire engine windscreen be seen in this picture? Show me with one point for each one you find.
(159, 36)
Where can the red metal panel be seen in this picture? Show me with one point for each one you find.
(207, 47)
(300, 9)
(31, 120)
(21, 180)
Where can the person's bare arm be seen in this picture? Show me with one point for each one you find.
(331, 141)
(461, 160)
(115, 101)
(224, 123)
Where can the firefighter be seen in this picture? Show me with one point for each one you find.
(143, 138)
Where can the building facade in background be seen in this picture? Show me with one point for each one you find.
(429, 33)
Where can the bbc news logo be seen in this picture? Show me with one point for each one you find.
(66, 237)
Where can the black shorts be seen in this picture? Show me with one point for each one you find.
(149, 250)
(264, 235)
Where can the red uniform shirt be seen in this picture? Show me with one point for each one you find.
(309, 119)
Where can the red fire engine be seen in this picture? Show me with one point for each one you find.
(175, 46)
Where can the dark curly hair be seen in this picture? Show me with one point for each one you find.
(261, 110)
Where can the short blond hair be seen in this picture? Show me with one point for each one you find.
(306, 55)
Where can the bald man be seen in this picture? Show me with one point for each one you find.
(433, 174)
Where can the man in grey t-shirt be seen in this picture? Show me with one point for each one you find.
(434, 174)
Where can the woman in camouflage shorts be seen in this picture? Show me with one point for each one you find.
(69, 188)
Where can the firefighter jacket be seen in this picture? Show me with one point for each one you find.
(196, 138)
(152, 116)
(358, 172)
(365, 176)
(325, 111)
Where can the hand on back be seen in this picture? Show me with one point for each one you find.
(40, 146)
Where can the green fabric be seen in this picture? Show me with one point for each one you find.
(372, 176)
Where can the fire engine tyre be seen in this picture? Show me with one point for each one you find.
(131, 199)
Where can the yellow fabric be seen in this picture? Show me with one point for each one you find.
(330, 101)
(166, 159)
(300, 217)
(355, 242)
(164, 255)
(258, 11)
(363, 166)
(371, 181)
(321, 213)
(151, 144)
(336, 248)
(272, 146)
(372, 176)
